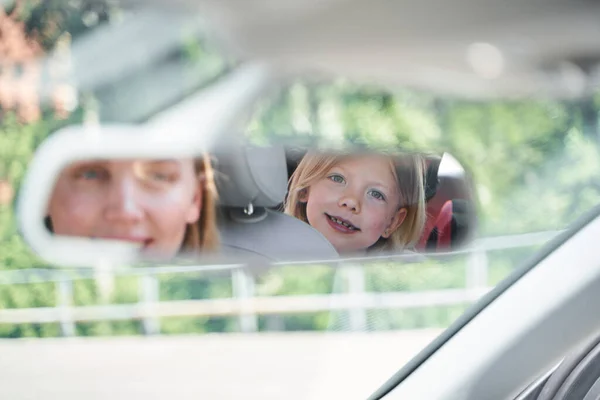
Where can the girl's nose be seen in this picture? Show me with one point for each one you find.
(122, 202)
(350, 202)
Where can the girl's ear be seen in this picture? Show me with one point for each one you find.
(397, 220)
(303, 195)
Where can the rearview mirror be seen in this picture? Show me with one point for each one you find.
(122, 198)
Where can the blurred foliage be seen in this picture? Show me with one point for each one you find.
(535, 165)
(47, 20)
(194, 285)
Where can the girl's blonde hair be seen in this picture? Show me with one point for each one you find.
(203, 235)
(409, 170)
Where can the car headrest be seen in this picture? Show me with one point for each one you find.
(251, 175)
(431, 177)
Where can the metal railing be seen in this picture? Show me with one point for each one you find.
(244, 304)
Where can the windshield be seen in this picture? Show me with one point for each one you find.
(516, 151)
(313, 328)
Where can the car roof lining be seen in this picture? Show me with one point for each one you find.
(383, 41)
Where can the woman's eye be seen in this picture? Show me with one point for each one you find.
(337, 178)
(158, 172)
(90, 174)
(160, 177)
(376, 194)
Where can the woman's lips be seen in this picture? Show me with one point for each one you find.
(144, 241)
(341, 225)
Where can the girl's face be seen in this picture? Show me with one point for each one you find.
(355, 203)
(146, 202)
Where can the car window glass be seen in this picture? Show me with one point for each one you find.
(534, 163)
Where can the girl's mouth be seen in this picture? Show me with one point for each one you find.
(341, 224)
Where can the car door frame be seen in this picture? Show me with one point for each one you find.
(518, 331)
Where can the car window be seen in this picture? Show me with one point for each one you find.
(517, 151)
(534, 163)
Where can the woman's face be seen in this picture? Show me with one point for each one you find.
(144, 201)
(355, 203)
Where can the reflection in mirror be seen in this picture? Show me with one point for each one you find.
(361, 202)
(451, 216)
(370, 203)
(165, 206)
(268, 204)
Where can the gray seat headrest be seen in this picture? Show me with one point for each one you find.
(251, 175)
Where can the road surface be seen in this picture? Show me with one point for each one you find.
(291, 366)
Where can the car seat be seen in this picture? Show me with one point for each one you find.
(450, 215)
(449, 230)
(250, 180)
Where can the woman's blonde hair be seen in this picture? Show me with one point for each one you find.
(203, 235)
(409, 170)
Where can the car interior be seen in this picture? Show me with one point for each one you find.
(450, 207)
(252, 184)
(251, 181)
(515, 338)
(577, 377)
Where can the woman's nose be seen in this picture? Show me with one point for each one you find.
(123, 204)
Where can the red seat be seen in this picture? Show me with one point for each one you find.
(450, 217)
(448, 230)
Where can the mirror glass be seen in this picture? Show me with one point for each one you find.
(158, 205)
(269, 202)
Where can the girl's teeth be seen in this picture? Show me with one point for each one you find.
(337, 221)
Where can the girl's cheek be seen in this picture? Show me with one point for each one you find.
(379, 220)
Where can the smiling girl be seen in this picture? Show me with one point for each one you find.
(166, 206)
(360, 202)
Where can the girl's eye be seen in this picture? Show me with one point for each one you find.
(337, 178)
(377, 194)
